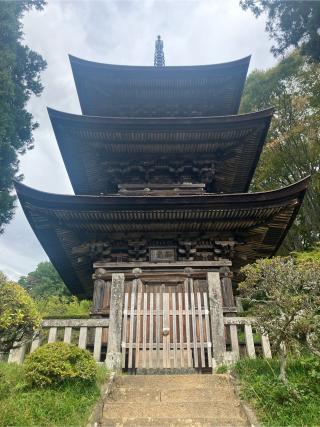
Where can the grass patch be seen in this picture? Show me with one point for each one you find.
(276, 404)
(68, 404)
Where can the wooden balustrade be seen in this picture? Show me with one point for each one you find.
(90, 334)
(242, 341)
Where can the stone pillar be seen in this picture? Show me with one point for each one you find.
(216, 313)
(17, 353)
(114, 359)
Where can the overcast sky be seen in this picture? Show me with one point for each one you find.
(120, 32)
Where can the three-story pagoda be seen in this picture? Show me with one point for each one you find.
(160, 162)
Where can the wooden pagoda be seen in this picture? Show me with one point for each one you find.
(160, 163)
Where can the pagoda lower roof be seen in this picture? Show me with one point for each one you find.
(97, 148)
(121, 90)
(62, 222)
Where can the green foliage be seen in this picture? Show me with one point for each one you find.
(19, 316)
(222, 369)
(44, 282)
(312, 255)
(57, 362)
(292, 149)
(290, 24)
(296, 403)
(20, 69)
(64, 307)
(285, 299)
(66, 404)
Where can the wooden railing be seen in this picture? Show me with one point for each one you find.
(242, 340)
(90, 334)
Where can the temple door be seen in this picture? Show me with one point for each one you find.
(166, 330)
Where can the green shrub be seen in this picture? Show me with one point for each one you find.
(19, 317)
(57, 362)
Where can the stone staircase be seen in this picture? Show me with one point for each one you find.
(173, 400)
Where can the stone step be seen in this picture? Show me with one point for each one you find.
(193, 410)
(169, 381)
(174, 422)
(190, 394)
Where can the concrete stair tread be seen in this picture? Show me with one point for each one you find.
(168, 380)
(168, 409)
(203, 394)
(174, 422)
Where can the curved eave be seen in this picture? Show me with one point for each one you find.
(235, 200)
(84, 63)
(59, 236)
(168, 133)
(99, 85)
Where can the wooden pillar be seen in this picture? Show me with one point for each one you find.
(216, 313)
(113, 359)
(226, 287)
(98, 296)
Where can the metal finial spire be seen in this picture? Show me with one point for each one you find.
(158, 53)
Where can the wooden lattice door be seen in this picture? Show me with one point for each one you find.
(166, 330)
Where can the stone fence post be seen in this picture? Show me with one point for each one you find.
(114, 359)
(216, 313)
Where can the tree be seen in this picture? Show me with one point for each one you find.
(20, 69)
(285, 298)
(67, 307)
(44, 282)
(19, 317)
(290, 24)
(292, 149)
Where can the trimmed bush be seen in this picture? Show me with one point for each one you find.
(57, 362)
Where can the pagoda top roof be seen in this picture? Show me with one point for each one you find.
(99, 151)
(148, 91)
(64, 222)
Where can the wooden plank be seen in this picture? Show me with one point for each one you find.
(124, 329)
(234, 340)
(249, 341)
(194, 330)
(266, 349)
(158, 330)
(141, 264)
(174, 329)
(186, 299)
(203, 362)
(144, 330)
(208, 331)
(132, 323)
(83, 337)
(166, 331)
(151, 331)
(97, 344)
(52, 334)
(67, 334)
(138, 334)
(181, 330)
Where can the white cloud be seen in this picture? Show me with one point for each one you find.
(122, 32)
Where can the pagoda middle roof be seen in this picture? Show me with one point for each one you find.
(90, 145)
(63, 222)
(121, 90)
